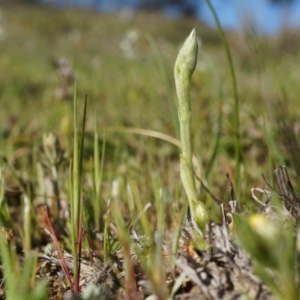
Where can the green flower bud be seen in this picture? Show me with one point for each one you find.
(187, 57)
(199, 214)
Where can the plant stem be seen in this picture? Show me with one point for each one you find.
(76, 206)
(167, 83)
(237, 142)
(75, 201)
(58, 248)
(184, 67)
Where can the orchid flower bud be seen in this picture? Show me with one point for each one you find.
(184, 67)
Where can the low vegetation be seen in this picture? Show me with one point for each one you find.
(95, 143)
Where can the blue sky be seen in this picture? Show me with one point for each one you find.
(265, 17)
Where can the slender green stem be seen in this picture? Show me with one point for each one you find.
(219, 126)
(98, 171)
(97, 175)
(81, 166)
(56, 189)
(167, 83)
(237, 142)
(75, 200)
(76, 206)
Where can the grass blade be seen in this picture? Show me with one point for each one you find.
(236, 118)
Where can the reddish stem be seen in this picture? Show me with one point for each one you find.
(58, 248)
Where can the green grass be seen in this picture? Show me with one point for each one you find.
(125, 171)
(122, 90)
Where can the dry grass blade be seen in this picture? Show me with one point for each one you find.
(286, 131)
(286, 193)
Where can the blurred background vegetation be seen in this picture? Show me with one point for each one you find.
(122, 62)
(43, 50)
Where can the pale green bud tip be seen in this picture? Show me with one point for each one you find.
(199, 214)
(187, 56)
